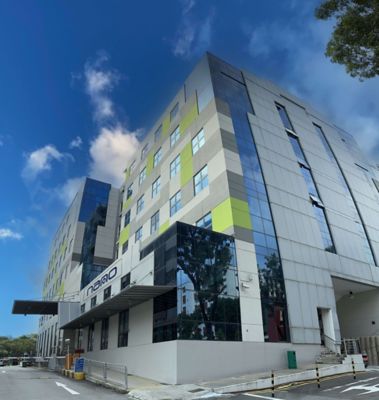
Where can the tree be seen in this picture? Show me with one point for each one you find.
(355, 39)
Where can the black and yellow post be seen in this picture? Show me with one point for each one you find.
(272, 384)
(353, 365)
(318, 377)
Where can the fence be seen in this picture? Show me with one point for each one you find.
(56, 363)
(109, 373)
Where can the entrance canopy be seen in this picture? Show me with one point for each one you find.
(32, 307)
(128, 297)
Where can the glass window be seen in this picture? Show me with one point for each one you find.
(284, 117)
(144, 151)
(93, 301)
(129, 192)
(104, 334)
(175, 167)
(158, 133)
(324, 228)
(127, 219)
(82, 308)
(156, 187)
(123, 328)
(174, 111)
(175, 203)
(201, 180)
(297, 149)
(157, 157)
(107, 293)
(142, 176)
(125, 247)
(154, 223)
(91, 330)
(198, 141)
(174, 137)
(132, 165)
(125, 281)
(138, 235)
(140, 204)
(205, 222)
(309, 181)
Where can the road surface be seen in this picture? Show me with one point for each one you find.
(366, 386)
(30, 383)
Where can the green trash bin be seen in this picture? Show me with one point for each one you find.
(291, 358)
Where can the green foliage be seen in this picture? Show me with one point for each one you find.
(355, 39)
(19, 346)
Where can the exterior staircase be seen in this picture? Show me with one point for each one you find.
(329, 357)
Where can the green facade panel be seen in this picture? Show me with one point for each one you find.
(164, 226)
(166, 126)
(126, 204)
(124, 235)
(188, 119)
(186, 165)
(231, 212)
(149, 164)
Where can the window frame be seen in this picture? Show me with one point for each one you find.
(177, 166)
(157, 157)
(139, 230)
(201, 181)
(155, 190)
(196, 142)
(156, 223)
(140, 204)
(142, 176)
(175, 205)
(174, 136)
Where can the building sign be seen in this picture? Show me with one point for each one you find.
(102, 281)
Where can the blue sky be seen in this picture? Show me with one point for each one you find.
(81, 83)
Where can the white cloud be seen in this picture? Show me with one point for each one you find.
(40, 160)
(194, 34)
(6, 233)
(76, 143)
(111, 151)
(99, 82)
(68, 190)
(306, 72)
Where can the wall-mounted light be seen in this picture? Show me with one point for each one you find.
(351, 295)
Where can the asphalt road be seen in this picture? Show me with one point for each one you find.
(366, 386)
(29, 383)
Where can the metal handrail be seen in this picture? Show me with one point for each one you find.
(105, 369)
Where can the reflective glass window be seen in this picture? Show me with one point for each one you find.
(123, 328)
(157, 157)
(297, 149)
(107, 293)
(309, 181)
(129, 192)
(127, 218)
(154, 223)
(174, 111)
(156, 187)
(200, 180)
(93, 301)
(158, 133)
(142, 176)
(175, 203)
(175, 167)
(284, 117)
(138, 234)
(140, 204)
(198, 141)
(91, 330)
(144, 151)
(125, 247)
(174, 137)
(125, 281)
(104, 334)
(205, 222)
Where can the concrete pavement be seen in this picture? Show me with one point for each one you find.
(18, 383)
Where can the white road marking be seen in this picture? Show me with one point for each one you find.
(4, 372)
(66, 388)
(349, 384)
(367, 388)
(260, 396)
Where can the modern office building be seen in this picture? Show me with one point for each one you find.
(249, 226)
(82, 248)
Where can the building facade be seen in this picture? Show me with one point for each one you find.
(248, 226)
(83, 247)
